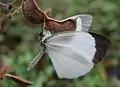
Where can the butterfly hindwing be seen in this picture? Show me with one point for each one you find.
(67, 67)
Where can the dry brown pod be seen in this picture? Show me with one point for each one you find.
(58, 26)
(36, 16)
(32, 13)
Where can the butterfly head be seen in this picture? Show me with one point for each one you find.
(43, 35)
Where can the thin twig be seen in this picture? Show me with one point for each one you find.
(18, 79)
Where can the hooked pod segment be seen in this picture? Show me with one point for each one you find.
(32, 13)
(58, 26)
(36, 16)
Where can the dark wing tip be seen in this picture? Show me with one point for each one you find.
(102, 45)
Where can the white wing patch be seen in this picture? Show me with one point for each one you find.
(71, 53)
(86, 21)
(79, 24)
(67, 67)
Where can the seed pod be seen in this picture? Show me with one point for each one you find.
(32, 13)
(58, 26)
(36, 16)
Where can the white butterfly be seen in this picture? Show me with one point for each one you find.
(72, 53)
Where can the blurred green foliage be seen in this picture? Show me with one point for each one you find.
(19, 45)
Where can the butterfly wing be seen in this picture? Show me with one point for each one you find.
(71, 53)
(86, 21)
(67, 67)
(79, 26)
